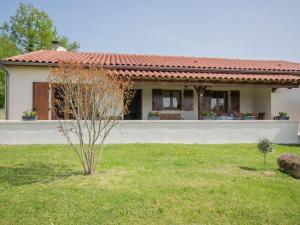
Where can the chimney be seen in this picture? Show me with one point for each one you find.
(55, 45)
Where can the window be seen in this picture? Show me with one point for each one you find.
(171, 100)
(218, 101)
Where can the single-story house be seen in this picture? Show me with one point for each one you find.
(176, 87)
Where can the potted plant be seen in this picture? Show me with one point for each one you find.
(249, 116)
(29, 115)
(153, 116)
(208, 115)
(283, 116)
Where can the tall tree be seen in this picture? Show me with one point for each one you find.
(7, 48)
(31, 29)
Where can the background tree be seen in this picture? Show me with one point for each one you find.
(7, 49)
(31, 29)
(94, 100)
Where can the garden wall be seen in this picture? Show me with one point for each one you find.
(184, 131)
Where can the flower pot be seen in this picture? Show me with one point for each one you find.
(153, 117)
(249, 117)
(209, 117)
(283, 117)
(29, 118)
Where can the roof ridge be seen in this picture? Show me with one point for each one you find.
(160, 56)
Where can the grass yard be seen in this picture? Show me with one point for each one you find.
(147, 184)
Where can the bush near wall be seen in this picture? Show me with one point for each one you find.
(289, 164)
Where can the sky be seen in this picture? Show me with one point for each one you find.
(246, 29)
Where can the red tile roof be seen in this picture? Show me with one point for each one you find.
(173, 67)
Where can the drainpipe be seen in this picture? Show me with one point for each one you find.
(6, 103)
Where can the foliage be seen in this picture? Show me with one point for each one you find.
(265, 146)
(31, 29)
(153, 113)
(146, 184)
(248, 114)
(29, 113)
(290, 164)
(7, 49)
(208, 113)
(283, 114)
(93, 100)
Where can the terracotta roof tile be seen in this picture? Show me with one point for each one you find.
(161, 64)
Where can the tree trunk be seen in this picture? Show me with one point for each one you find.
(265, 161)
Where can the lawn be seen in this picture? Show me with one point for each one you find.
(147, 184)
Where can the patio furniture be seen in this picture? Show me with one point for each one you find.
(261, 116)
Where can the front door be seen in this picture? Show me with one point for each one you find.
(135, 107)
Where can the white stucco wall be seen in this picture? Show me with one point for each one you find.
(286, 100)
(21, 80)
(184, 131)
(262, 101)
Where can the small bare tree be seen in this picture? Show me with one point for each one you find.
(88, 101)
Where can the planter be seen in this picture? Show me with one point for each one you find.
(153, 117)
(29, 118)
(249, 117)
(209, 117)
(283, 118)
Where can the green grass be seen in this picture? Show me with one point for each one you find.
(147, 184)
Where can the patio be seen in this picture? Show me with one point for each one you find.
(186, 101)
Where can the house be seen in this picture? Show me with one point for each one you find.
(176, 87)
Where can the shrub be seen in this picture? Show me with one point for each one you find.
(289, 164)
(208, 113)
(265, 146)
(283, 114)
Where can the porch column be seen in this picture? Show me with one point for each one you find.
(200, 92)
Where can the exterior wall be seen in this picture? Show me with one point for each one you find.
(187, 132)
(21, 80)
(286, 100)
(262, 101)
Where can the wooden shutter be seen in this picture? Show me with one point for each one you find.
(226, 101)
(188, 100)
(157, 99)
(40, 100)
(235, 101)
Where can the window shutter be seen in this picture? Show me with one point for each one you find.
(235, 101)
(188, 100)
(40, 100)
(226, 101)
(157, 99)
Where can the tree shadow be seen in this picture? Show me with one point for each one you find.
(36, 172)
(247, 168)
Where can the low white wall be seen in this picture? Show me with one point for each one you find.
(212, 132)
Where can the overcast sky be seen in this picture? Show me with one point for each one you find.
(253, 29)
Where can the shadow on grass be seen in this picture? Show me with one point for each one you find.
(247, 168)
(37, 172)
